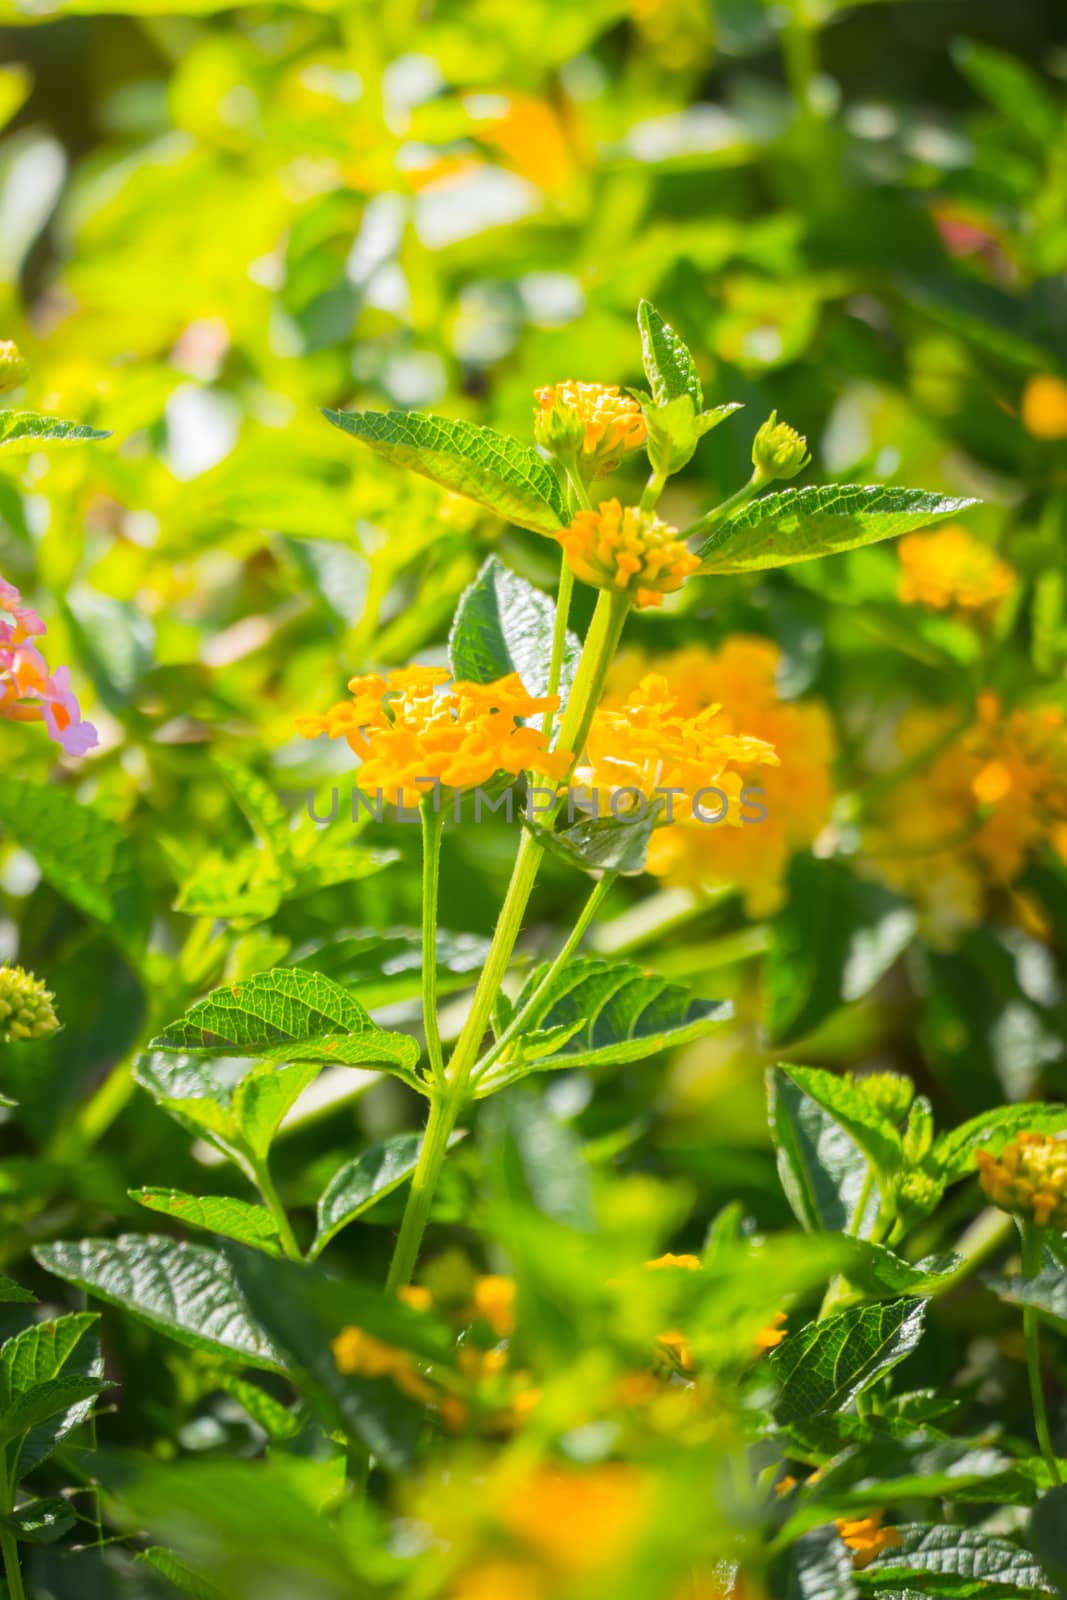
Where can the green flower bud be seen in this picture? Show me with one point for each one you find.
(919, 1133)
(778, 451)
(917, 1194)
(888, 1092)
(25, 1007)
(14, 368)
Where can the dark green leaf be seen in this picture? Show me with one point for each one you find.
(822, 1170)
(847, 1104)
(1048, 1533)
(800, 524)
(12, 1292)
(960, 1561)
(365, 1180)
(40, 1521)
(508, 478)
(503, 625)
(1046, 1292)
(821, 1568)
(826, 1364)
(44, 1400)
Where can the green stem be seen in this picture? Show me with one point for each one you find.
(601, 890)
(12, 1570)
(432, 825)
(653, 489)
(559, 639)
(265, 1185)
(726, 508)
(446, 1104)
(1031, 1239)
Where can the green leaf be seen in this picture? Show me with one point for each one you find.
(24, 431)
(847, 1104)
(835, 938)
(216, 1213)
(276, 1420)
(1048, 1533)
(1012, 88)
(822, 1170)
(184, 1579)
(365, 1180)
(827, 1364)
(507, 478)
(800, 524)
(675, 430)
(84, 855)
(1046, 1292)
(597, 1013)
(184, 1290)
(288, 1014)
(953, 1154)
(12, 1292)
(604, 844)
(238, 1112)
(40, 1521)
(963, 1561)
(44, 1400)
(384, 965)
(667, 360)
(881, 1273)
(39, 1353)
(821, 1568)
(503, 625)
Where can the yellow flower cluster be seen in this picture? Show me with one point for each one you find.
(867, 1538)
(1044, 407)
(359, 1354)
(629, 551)
(649, 744)
(798, 786)
(592, 421)
(969, 820)
(410, 731)
(1029, 1177)
(950, 570)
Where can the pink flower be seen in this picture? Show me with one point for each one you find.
(63, 717)
(28, 691)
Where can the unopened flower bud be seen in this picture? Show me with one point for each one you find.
(917, 1194)
(919, 1133)
(888, 1092)
(25, 1007)
(14, 368)
(779, 451)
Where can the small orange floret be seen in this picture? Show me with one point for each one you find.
(629, 551)
(772, 1335)
(494, 1300)
(359, 1354)
(591, 420)
(866, 1538)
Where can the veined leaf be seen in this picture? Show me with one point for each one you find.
(821, 1568)
(44, 1400)
(822, 1170)
(365, 1180)
(184, 1579)
(1046, 1292)
(953, 1154)
(84, 855)
(964, 1561)
(276, 1420)
(881, 1273)
(39, 1352)
(597, 1012)
(24, 431)
(826, 1364)
(288, 1014)
(506, 477)
(667, 359)
(846, 1103)
(215, 1213)
(183, 1290)
(239, 1113)
(503, 624)
(384, 965)
(800, 524)
(12, 1292)
(1048, 1533)
(40, 1521)
(604, 844)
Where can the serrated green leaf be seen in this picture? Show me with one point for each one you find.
(44, 1400)
(40, 1352)
(821, 1568)
(667, 360)
(12, 1292)
(183, 1290)
(506, 477)
(801, 524)
(881, 1273)
(503, 625)
(40, 1521)
(835, 938)
(215, 1213)
(953, 1154)
(237, 1110)
(822, 1170)
(846, 1103)
(365, 1180)
(964, 1561)
(276, 1420)
(597, 1013)
(826, 1364)
(66, 1347)
(288, 1014)
(1048, 1533)
(184, 1579)
(384, 965)
(1045, 1292)
(24, 431)
(84, 855)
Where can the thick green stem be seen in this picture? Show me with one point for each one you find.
(601, 890)
(445, 1105)
(655, 486)
(559, 639)
(1031, 1238)
(12, 1570)
(265, 1185)
(727, 507)
(432, 824)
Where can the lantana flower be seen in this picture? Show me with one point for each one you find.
(415, 729)
(29, 691)
(589, 423)
(628, 551)
(26, 1009)
(867, 1538)
(1028, 1178)
(949, 569)
(1044, 407)
(797, 792)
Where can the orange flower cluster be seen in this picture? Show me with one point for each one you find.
(950, 570)
(1044, 407)
(592, 421)
(358, 1353)
(798, 787)
(629, 551)
(969, 820)
(1029, 1178)
(412, 733)
(866, 1538)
